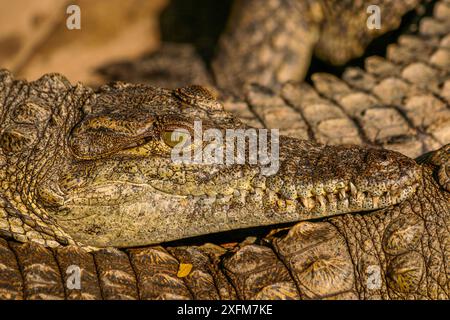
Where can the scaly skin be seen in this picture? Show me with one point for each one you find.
(400, 102)
(407, 244)
(401, 252)
(97, 168)
(273, 43)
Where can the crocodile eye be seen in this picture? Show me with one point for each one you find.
(179, 137)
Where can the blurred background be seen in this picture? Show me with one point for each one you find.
(34, 38)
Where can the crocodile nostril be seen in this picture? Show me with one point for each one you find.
(383, 157)
(380, 156)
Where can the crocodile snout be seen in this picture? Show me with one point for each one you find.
(332, 180)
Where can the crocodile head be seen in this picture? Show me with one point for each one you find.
(98, 167)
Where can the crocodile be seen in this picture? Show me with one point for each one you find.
(400, 102)
(87, 182)
(99, 167)
(402, 247)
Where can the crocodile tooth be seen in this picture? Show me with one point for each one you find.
(243, 195)
(290, 205)
(340, 185)
(345, 203)
(322, 200)
(331, 198)
(353, 189)
(308, 203)
(388, 197)
(395, 186)
(342, 194)
(360, 196)
(394, 197)
(375, 201)
(304, 202)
